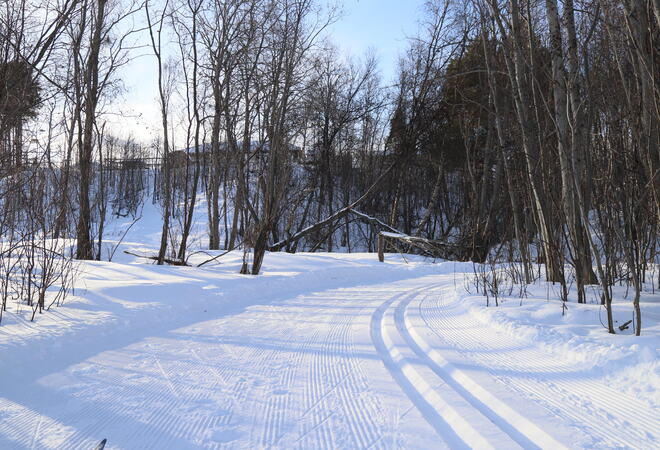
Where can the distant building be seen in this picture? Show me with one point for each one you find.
(258, 153)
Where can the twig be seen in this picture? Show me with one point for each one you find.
(173, 262)
(218, 256)
(114, 249)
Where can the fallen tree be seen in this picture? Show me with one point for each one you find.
(172, 262)
(331, 219)
(429, 247)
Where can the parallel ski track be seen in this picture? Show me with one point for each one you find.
(398, 328)
(319, 396)
(416, 379)
(539, 376)
(521, 430)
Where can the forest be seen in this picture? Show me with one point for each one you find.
(517, 133)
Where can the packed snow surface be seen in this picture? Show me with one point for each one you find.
(321, 351)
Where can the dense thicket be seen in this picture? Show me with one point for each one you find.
(515, 130)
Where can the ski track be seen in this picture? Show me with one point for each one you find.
(536, 374)
(443, 407)
(291, 375)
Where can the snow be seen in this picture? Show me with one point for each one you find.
(393, 235)
(628, 362)
(320, 351)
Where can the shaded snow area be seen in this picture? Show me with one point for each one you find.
(321, 351)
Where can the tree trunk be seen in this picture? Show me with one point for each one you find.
(84, 248)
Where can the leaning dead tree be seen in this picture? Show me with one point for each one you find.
(332, 219)
(409, 244)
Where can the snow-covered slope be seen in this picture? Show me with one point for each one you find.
(321, 351)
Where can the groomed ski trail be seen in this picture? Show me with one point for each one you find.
(467, 351)
(386, 364)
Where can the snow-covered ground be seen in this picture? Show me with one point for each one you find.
(321, 351)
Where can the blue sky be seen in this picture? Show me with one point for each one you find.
(381, 25)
